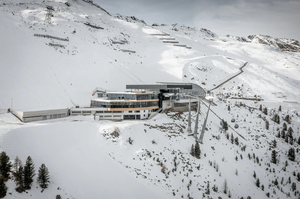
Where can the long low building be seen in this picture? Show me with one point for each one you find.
(38, 115)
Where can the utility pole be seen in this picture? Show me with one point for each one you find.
(189, 129)
(197, 119)
(204, 126)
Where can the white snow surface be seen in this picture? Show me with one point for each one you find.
(86, 161)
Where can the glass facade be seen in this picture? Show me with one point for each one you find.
(123, 104)
(131, 96)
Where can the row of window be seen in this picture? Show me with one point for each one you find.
(123, 104)
(132, 96)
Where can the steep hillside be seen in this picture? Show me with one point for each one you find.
(59, 64)
(39, 72)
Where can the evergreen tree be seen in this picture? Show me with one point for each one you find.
(284, 127)
(278, 119)
(262, 187)
(265, 111)
(279, 109)
(197, 150)
(257, 182)
(5, 166)
(207, 189)
(43, 176)
(286, 139)
(287, 119)
(225, 187)
(19, 179)
(267, 124)
(260, 107)
(236, 140)
(224, 125)
(276, 182)
(293, 186)
(192, 150)
(228, 108)
(58, 197)
(283, 134)
(298, 176)
(291, 141)
(290, 131)
(3, 187)
(298, 140)
(29, 173)
(274, 143)
(231, 138)
(254, 174)
(15, 167)
(291, 154)
(274, 157)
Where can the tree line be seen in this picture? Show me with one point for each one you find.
(23, 175)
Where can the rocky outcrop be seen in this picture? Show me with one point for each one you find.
(283, 44)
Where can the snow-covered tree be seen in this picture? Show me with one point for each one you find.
(43, 176)
(29, 173)
(5, 166)
(274, 157)
(19, 179)
(197, 150)
(3, 187)
(291, 154)
(192, 150)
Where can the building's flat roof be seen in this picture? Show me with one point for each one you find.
(133, 93)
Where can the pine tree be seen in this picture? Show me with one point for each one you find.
(291, 154)
(267, 124)
(197, 150)
(224, 125)
(43, 176)
(254, 174)
(284, 127)
(283, 134)
(192, 150)
(228, 108)
(15, 167)
(236, 140)
(279, 109)
(293, 186)
(58, 197)
(275, 182)
(207, 189)
(3, 187)
(260, 107)
(298, 140)
(19, 179)
(290, 131)
(29, 173)
(225, 187)
(298, 176)
(231, 138)
(274, 143)
(5, 166)
(265, 111)
(278, 119)
(287, 119)
(274, 157)
(262, 187)
(286, 139)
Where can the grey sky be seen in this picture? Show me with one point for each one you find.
(278, 18)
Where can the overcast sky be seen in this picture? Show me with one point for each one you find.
(277, 18)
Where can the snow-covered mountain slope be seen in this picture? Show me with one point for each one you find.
(40, 74)
(88, 159)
